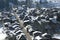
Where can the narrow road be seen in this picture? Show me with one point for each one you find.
(22, 26)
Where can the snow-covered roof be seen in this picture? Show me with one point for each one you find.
(22, 34)
(26, 21)
(38, 37)
(7, 23)
(44, 34)
(30, 29)
(15, 26)
(29, 9)
(36, 32)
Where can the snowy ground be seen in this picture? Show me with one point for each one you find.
(2, 35)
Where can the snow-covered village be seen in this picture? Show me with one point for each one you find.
(29, 19)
